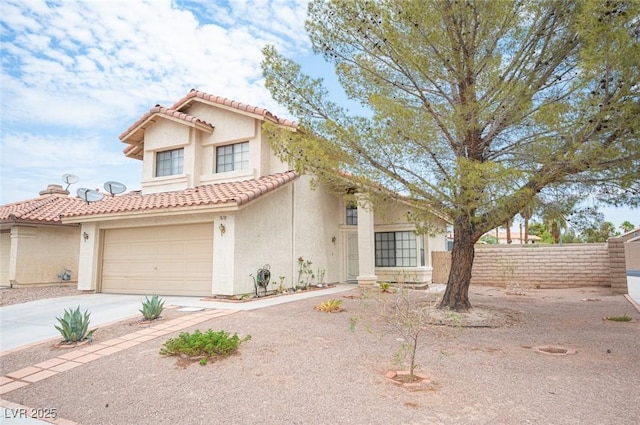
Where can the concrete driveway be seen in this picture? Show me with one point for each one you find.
(32, 322)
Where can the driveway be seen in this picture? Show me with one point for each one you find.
(32, 322)
(633, 284)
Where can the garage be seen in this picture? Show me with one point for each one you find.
(163, 260)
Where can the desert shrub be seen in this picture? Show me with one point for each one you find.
(330, 306)
(74, 325)
(209, 345)
(623, 318)
(152, 308)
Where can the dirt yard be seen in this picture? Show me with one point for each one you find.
(303, 366)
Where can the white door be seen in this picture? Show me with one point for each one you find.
(163, 260)
(352, 256)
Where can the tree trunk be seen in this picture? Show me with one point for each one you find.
(509, 232)
(456, 296)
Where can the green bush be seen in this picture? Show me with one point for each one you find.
(210, 345)
(623, 318)
(74, 325)
(152, 308)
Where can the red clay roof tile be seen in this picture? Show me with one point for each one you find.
(44, 209)
(147, 119)
(231, 193)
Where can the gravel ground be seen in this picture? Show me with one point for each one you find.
(302, 366)
(10, 296)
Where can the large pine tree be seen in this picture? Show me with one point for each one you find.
(476, 106)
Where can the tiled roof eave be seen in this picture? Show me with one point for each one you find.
(232, 105)
(153, 212)
(32, 222)
(216, 197)
(161, 112)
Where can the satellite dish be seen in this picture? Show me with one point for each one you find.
(70, 179)
(89, 195)
(114, 188)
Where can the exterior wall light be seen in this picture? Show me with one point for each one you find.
(85, 236)
(222, 229)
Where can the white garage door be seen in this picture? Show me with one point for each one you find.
(5, 255)
(163, 260)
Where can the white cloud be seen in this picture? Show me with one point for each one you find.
(69, 51)
(31, 162)
(77, 73)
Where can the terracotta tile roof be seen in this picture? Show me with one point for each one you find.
(197, 94)
(45, 209)
(230, 194)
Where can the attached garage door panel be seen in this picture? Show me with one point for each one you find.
(168, 260)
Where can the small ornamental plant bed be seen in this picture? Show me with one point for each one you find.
(204, 347)
(243, 298)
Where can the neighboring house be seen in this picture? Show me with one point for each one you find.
(632, 249)
(216, 205)
(35, 246)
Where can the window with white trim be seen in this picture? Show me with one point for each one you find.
(170, 162)
(396, 249)
(232, 157)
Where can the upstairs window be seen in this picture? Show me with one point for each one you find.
(352, 215)
(232, 157)
(170, 162)
(396, 249)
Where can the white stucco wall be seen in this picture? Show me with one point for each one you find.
(317, 219)
(293, 222)
(264, 235)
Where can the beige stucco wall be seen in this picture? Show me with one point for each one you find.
(39, 254)
(5, 256)
(632, 254)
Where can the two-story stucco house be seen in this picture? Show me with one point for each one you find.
(216, 204)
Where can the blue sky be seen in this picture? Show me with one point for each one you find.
(76, 74)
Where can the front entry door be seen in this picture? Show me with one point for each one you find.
(352, 256)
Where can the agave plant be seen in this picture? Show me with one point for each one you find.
(74, 325)
(152, 308)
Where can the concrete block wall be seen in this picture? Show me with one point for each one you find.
(551, 266)
(557, 266)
